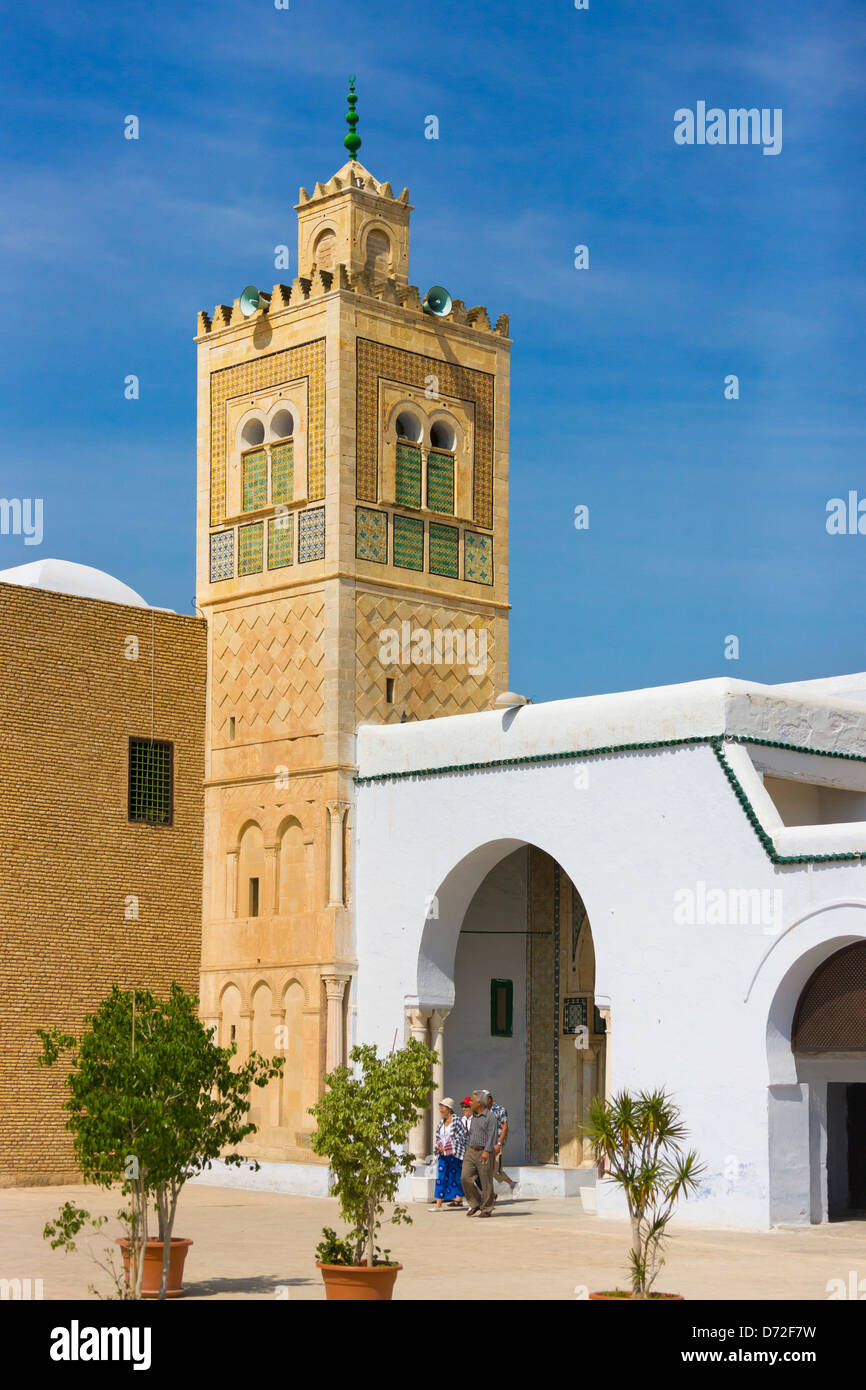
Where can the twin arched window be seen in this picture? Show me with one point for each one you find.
(267, 468)
(420, 473)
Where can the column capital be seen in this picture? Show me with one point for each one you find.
(335, 985)
(337, 809)
(438, 1017)
(417, 1019)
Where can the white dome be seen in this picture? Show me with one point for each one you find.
(65, 577)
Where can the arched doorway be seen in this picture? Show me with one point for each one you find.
(829, 1043)
(512, 961)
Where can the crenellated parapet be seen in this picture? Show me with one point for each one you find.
(307, 289)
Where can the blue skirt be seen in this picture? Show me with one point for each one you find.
(448, 1184)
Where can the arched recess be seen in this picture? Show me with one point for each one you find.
(378, 253)
(230, 1018)
(293, 886)
(265, 1100)
(291, 1096)
(801, 1099)
(251, 871)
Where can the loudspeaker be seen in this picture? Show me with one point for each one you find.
(253, 299)
(437, 301)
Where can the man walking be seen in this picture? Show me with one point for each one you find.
(497, 1172)
(477, 1162)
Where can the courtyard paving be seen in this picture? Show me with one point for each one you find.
(256, 1245)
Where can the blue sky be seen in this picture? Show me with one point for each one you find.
(707, 516)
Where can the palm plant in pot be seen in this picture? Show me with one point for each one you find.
(637, 1140)
(363, 1121)
(153, 1101)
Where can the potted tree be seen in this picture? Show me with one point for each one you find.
(153, 1101)
(637, 1140)
(362, 1125)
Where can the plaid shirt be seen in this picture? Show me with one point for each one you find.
(502, 1118)
(455, 1142)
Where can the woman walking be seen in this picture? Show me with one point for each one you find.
(450, 1148)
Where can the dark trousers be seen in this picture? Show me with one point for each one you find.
(473, 1167)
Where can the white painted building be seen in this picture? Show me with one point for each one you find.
(713, 834)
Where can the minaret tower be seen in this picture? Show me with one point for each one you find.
(352, 565)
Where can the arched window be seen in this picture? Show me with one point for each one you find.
(282, 456)
(377, 261)
(408, 464)
(324, 250)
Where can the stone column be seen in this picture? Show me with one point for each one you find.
(335, 986)
(437, 1034)
(604, 1056)
(418, 1143)
(270, 896)
(336, 810)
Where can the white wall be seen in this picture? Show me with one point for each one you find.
(699, 1008)
(473, 1058)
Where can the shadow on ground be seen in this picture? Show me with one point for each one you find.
(258, 1286)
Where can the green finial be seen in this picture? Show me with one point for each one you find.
(352, 141)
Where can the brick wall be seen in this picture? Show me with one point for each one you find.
(70, 700)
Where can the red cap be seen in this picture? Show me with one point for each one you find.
(466, 1101)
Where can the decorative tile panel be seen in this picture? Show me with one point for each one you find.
(222, 556)
(250, 544)
(444, 550)
(478, 558)
(375, 360)
(283, 472)
(440, 482)
(408, 542)
(408, 475)
(281, 541)
(255, 481)
(311, 535)
(371, 535)
(273, 369)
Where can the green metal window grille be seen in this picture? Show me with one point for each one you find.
(281, 541)
(408, 542)
(255, 480)
(283, 472)
(501, 1008)
(250, 545)
(408, 475)
(440, 483)
(150, 781)
(444, 550)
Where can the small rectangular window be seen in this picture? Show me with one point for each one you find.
(389, 690)
(501, 1007)
(254, 897)
(232, 727)
(151, 781)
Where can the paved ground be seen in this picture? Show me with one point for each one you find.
(260, 1245)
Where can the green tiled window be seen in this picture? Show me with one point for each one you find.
(444, 552)
(408, 475)
(255, 480)
(250, 543)
(283, 472)
(281, 541)
(150, 781)
(408, 542)
(440, 482)
(478, 558)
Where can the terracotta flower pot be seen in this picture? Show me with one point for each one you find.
(624, 1296)
(358, 1282)
(153, 1266)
